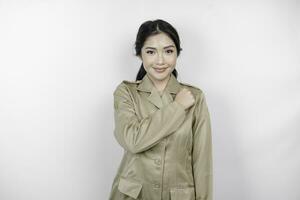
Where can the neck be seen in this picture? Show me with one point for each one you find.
(160, 85)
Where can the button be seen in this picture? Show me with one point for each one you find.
(157, 161)
(156, 185)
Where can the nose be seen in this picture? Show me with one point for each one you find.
(160, 59)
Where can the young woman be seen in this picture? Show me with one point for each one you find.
(162, 125)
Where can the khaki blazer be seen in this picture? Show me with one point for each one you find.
(167, 149)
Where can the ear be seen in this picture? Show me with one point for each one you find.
(140, 57)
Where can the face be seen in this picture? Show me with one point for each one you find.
(159, 57)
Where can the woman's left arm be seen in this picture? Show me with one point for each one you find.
(202, 151)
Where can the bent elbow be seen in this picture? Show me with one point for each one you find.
(134, 148)
(129, 142)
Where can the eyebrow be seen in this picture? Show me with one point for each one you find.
(164, 47)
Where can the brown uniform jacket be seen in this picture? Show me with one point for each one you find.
(167, 149)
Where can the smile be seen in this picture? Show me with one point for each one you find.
(160, 70)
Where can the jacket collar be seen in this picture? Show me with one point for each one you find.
(172, 86)
(146, 85)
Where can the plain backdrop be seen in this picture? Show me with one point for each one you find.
(60, 62)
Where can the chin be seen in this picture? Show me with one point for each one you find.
(161, 77)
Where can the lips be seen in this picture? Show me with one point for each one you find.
(160, 70)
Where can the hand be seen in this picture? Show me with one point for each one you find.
(185, 98)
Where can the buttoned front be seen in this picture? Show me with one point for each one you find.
(167, 149)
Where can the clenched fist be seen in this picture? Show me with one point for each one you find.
(185, 98)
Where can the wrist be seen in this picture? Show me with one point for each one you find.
(179, 104)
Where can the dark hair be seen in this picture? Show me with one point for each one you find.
(149, 28)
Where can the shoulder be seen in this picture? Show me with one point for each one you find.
(125, 86)
(131, 82)
(197, 91)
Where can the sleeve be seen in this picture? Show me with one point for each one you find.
(202, 152)
(138, 135)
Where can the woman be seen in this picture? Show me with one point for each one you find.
(163, 126)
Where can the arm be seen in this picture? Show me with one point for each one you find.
(136, 135)
(202, 152)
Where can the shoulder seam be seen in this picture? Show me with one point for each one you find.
(193, 86)
(134, 82)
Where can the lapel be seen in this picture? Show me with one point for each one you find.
(146, 85)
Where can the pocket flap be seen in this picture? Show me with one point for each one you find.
(182, 193)
(129, 187)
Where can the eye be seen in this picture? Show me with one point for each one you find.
(149, 52)
(170, 51)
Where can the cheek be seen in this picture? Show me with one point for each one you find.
(147, 62)
(172, 60)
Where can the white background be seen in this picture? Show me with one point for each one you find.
(61, 60)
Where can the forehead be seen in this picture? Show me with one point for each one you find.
(158, 40)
